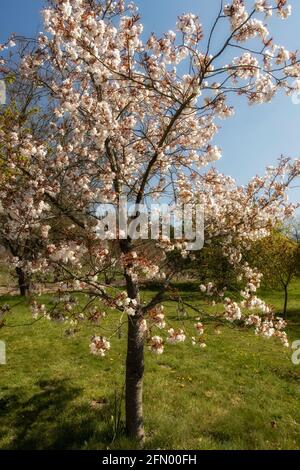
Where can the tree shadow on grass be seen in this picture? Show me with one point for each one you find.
(52, 418)
(293, 314)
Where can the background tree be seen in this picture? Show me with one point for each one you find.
(278, 258)
(22, 113)
(293, 229)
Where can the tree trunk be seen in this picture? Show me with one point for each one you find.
(285, 300)
(134, 380)
(134, 368)
(22, 281)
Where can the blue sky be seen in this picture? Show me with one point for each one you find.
(257, 135)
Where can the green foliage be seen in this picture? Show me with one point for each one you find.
(208, 265)
(278, 258)
(10, 79)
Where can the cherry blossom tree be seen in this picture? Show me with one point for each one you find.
(21, 111)
(136, 117)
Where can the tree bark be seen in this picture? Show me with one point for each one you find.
(23, 282)
(285, 300)
(134, 368)
(134, 381)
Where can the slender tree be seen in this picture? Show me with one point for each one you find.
(278, 258)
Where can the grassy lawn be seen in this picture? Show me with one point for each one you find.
(241, 392)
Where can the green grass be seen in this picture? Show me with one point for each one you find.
(241, 392)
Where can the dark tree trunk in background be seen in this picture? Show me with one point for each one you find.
(23, 282)
(285, 300)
